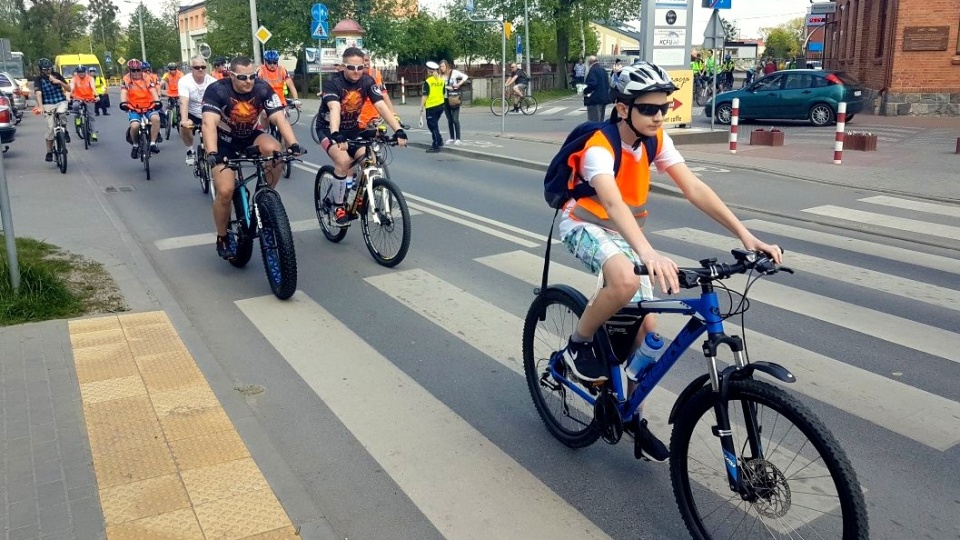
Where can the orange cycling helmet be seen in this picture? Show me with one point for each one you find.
(134, 64)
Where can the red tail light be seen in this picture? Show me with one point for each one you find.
(4, 116)
(4, 101)
(833, 79)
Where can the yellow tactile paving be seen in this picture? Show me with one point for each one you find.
(169, 463)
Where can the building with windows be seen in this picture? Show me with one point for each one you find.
(192, 22)
(908, 51)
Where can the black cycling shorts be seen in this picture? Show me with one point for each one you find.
(231, 147)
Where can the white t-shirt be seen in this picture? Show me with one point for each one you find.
(189, 87)
(456, 77)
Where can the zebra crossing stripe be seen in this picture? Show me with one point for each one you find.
(864, 277)
(893, 253)
(918, 206)
(478, 217)
(482, 228)
(883, 220)
(914, 413)
(552, 110)
(484, 326)
(577, 111)
(462, 482)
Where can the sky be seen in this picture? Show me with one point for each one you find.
(749, 15)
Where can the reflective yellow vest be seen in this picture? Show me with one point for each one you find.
(101, 85)
(435, 97)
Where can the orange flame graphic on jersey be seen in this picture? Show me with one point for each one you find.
(243, 113)
(351, 102)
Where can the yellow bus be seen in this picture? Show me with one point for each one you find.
(65, 63)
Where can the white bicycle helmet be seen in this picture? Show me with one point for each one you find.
(642, 78)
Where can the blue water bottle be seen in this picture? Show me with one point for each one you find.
(645, 355)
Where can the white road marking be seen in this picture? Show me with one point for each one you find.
(881, 220)
(552, 110)
(472, 225)
(483, 219)
(918, 206)
(462, 482)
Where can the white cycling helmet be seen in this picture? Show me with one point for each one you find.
(642, 78)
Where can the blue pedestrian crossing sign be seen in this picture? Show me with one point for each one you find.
(319, 30)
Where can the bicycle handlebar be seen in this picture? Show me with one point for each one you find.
(235, 163)
(710, 270)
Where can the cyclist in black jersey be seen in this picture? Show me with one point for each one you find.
(231, 112)
(344, 94)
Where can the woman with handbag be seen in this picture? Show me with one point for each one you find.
(451, 106)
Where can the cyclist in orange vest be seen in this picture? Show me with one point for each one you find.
(82, 88)
(139, 97)
(170, 81)
(219, 68)
(369, 112)
(278, 78)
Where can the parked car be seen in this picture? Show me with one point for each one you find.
(794, 94)
(8, 131)
(12, 88)
(814, 64)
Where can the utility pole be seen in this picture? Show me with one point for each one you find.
(253, 32)
(526, 47)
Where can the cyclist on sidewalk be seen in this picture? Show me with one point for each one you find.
(343, 96)
(50, 88)
(82, 88)
(191, 91)
(605, 231)
(231, 114)
(139, 98)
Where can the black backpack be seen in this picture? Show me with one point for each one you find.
(556, 180)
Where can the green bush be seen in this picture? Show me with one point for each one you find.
(43, 292)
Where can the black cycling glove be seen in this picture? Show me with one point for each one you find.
(157, 105)
(213, 159)
(295, 149)
(400, 134)
(124, 106)
(338, 137)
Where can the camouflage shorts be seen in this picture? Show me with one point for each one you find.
(593, 246)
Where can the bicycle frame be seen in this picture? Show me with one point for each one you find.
(366, 167)
(247, 196)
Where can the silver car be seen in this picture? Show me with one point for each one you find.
(9, 86)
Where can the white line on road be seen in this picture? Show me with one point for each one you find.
(578, 111)
(918, 206)
(893, 253)
(462, 482)
(854, 275)
(882, 220)
(502, 225)
(914, 413)
(552, 110)
(482, 228)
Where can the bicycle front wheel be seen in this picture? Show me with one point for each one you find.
(528, 105)
(61, 151)
(498, 106)
(551, 319)
(795, 479)
(385, 223)
(243, 231)
(293, 116)
(276, 245)
(323, 201)
(85, 133)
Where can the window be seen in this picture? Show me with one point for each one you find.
(796, 81)
(770, 83)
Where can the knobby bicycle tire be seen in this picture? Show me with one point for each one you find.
(786, 488)
(241, 229)
(323, 186)
(385, 193)
(276, 245)
(566, 415)
(61, 147)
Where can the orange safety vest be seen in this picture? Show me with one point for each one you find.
(276, 78)
(138, 92)
(173, 82)
(83, 89)
(369, 111)
(633, 181)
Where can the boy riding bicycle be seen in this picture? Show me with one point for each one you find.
(605, 231)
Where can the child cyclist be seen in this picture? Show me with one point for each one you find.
(605, 231)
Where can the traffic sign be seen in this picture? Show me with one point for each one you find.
(717, 4)
(121, 60)
(319, 12)
(320, 29)
(822, 8)
(263, 35)
(715, 35)
(816, 20)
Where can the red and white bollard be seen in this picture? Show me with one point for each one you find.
(734, 122)
(841, 125)
(403, 91)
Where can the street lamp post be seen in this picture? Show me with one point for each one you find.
(143, 45)
(526, 48)
(253, 31)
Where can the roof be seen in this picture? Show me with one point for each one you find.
(619, 28)
(191, 5)
(348, 26)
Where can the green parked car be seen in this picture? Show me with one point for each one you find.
(793, 94)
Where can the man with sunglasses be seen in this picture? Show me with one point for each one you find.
(191, 90)
(605, 230)
(50, 88)
(140, 99)
(231, 114)
(278, 78)
(171, 83)
(343, 96)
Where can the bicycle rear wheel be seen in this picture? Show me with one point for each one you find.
(528, 105)
(798, 483)
(385, 223)
(551, 319)
(498, 106)
(60, 144)
(276, 245)
(323, 202)
(293, 116)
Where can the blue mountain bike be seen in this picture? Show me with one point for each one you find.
(747, 459)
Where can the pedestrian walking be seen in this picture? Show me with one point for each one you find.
(452, 100)
(596, 95)
(432, 104)
(579, 72)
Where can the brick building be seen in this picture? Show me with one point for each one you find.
(908, 51)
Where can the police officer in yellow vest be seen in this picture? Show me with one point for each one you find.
(100, 86)
(432, 104)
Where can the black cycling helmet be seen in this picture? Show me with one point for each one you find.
(172, 66)
(219, 61)
(80, 69)
(44, 63)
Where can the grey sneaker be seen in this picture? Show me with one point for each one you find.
(583, 362)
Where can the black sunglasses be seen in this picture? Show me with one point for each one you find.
(135, 70)
(650, 109)
(198, 68)
(244, 78)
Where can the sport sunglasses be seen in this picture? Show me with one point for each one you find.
(651, 109)
(354, 67)
(244, 78)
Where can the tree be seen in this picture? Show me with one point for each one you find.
(161, 38)
(730, 30)
(52, 25)
(781, 43)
